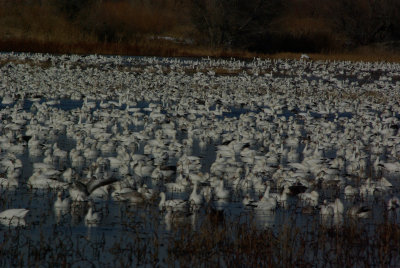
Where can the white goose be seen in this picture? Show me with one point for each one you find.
(281, 198)
(173, 204)
(266, 203)
(221, 192)
(393, 204)
(61, 204)
(43, 180)
(359, 211)
(132, 196)
(350, 191)
(337, 207)
(195, 199)
(368, 188)
(180, 185)
(309, 198)
(13, 217)
(9, 180)
(326, 210)
(92, 218)
(146, 192)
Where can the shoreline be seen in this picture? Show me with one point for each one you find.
(164, 48)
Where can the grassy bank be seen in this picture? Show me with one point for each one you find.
(164, 48)
(174, 28)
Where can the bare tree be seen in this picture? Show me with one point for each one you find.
(365, 21)
(232, 23)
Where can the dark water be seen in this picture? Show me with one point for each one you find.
(123, 223)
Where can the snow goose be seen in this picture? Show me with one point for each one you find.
(221, 192)
(92, 218)
(359, 211)
(174, 217)
(281, 198)
(130, 196)
(89, 104)
(391, 167)
(393, 204)
(307, 151)
(59, 155)
(180, 185)
(368, 188)
(383, 185)
(310, 198)
(13, 217)
(61, 204)
(248, 201)
(68, 174)
(61, 207)
(41, 180)
(266, 203)
(198, 177)
(326, 210)
(207, 193)
(9, 180)
(146, 192)
(338, 207)
(258, 184)
(80, 191)
(121, 187)
(350, 191)
(100, 193)
(7, 99)
(143, 170)
(173, 204)
(163, 172)
(195, 199)
(293, 156)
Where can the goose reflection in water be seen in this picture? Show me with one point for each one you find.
(265, 219)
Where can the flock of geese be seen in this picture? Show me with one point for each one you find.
(195, 134)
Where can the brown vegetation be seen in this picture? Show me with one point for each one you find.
(330, 29)
(232, 243)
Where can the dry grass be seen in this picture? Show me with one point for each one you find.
(129, 28)
(366, 55)
(140, 47)
(165, 48)
(234, 244)
(39, 22)
(228, 242)
(124, 21)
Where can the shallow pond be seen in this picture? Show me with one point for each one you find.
(163, 124)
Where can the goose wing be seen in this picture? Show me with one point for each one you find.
(14, 213)
(94, 184)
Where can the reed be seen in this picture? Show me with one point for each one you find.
(234, 242)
